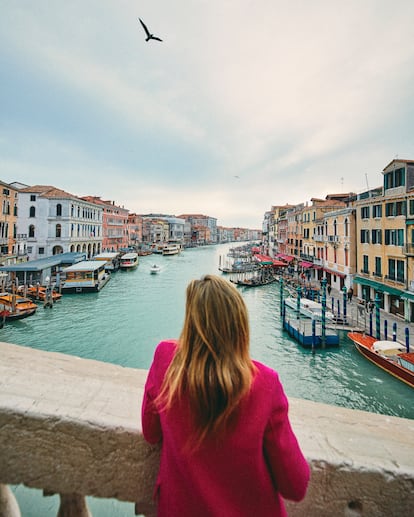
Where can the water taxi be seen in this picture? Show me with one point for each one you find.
(16, 307)
(155, 269)
(129, 261)
(39, 292)
(391, 356)
(171, 249)
(88, 275)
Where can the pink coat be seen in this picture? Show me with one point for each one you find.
(246, 473)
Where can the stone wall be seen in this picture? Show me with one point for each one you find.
(72, 426)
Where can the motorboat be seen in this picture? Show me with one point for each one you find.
(393, 357)
(155, 268)
(16, 307)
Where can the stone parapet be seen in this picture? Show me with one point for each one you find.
(72, 426)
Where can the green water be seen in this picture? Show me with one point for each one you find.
(124, 322)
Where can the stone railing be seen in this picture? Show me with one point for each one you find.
(72, 427)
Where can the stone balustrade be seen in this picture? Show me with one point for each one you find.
(72, 427)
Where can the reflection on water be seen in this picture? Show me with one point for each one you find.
(124, 322)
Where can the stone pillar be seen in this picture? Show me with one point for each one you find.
(8, 503)
(73, 505)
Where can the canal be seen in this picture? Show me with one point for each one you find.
(124, 322)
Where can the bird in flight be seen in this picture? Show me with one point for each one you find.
(147, 32)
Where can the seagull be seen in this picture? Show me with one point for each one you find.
(147, 32)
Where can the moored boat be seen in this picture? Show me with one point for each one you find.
(129, 261)
(39, 292)
(16, 307)
(391, 356)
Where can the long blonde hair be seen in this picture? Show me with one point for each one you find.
(212, 365)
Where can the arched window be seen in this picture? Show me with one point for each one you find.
(58, 210)
(334, 225)
(31, 231)
(346, 228)
(32, 211)
(58, 230)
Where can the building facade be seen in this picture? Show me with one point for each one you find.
(58, 222)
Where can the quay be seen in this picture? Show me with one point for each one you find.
(72, 428)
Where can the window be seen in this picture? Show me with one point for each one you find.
(400, 208)
(32, 197)
(396, 270)
(394, 237)
(41, 251)
(6, 192)
(377, 266)
(364, 236)
(389, 209)
(31, 231)
(376, 237)
(365, 264)
(377, 211)
(58, 210)
(58, 231)
(365, 212)
(32, 211)
(411, 206)
(395, 178)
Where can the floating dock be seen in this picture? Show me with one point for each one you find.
(303, 332)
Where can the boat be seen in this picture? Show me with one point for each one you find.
(39, 292)
(264, 276)
(391, 356)
(111, 259)
(155, 269)
(309, 308)
(171, 249)
(16, 307)
(129, 261)
(88, 275)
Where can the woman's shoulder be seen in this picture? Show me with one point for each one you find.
(165, 350)
(266, 377)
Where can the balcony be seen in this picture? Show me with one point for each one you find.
(72, 427)
(409, 249)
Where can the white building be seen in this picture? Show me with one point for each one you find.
(58, 222)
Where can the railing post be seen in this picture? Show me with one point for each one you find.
(73, 505)
(8, 503)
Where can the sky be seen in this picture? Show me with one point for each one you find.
(245, 104)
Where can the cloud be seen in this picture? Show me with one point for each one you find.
(291, 97)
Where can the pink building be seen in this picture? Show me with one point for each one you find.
(114, 224)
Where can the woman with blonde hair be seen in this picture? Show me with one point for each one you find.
(227, 447)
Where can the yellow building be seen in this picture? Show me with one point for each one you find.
(8, 223)
(385, 237)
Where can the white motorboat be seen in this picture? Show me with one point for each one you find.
(155, 268)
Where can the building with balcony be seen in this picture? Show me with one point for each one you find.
(58, 222)
(385, 237)
(114, 224)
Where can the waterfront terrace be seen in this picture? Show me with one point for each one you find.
(72, 427)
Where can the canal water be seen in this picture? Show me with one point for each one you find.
(124, 322)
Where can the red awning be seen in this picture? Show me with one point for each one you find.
(286, 258)
(305, 264)
(255, 250)
(279, 263)
(263, 259)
